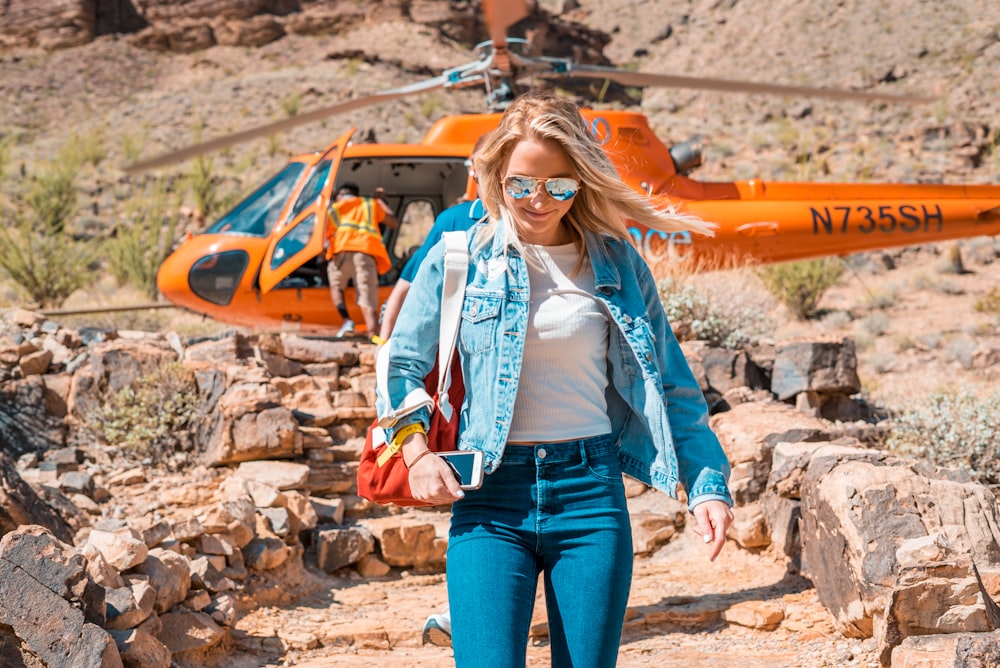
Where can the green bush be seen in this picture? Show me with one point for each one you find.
(132, 144)
(800, 285)
(47, 268)
(989, 303)
(955, 430)
(37, 249)
(142, 241)
(50, 197)
(4, 158)
(291, 104)
(147, 419)
(729, 320)
(87, 148)
(202, 184)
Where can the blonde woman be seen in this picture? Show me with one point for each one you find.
(573, 377)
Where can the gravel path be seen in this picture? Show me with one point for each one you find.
(674, 619)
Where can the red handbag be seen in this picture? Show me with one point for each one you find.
(388, 481)
(382, 475)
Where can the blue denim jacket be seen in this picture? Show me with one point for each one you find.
(658, 414)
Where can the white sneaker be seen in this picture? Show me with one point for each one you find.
(346, 329)
(437, 630)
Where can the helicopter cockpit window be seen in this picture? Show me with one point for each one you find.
(312, 188)
(215, 277)
(258, 213)
(293, 242)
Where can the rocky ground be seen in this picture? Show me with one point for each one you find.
(916, 324)
(683, 611)
(677, 574)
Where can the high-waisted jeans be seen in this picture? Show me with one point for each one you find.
(552, 508)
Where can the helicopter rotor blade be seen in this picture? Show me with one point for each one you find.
(641, 79)
(447, 79)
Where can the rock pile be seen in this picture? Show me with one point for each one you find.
(107, 560)
(167, 25)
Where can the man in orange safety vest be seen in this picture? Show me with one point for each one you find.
(356, 251)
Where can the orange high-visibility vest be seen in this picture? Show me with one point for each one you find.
(353, 226)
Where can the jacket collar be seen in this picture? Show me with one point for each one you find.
(606, 274)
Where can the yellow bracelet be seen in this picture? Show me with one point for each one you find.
(397, 442)
(400, 436)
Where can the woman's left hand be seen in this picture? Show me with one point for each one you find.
(714, 518)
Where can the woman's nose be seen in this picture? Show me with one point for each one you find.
(539, 195)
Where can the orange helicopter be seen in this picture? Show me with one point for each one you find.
(260, 265)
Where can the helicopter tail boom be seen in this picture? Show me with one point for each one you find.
(777, 222)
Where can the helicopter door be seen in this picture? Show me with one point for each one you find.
(302, 238)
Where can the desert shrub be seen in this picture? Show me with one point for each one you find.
(836, 320)
(202, 183)
(960, 349)
(132, 144)
(800, 285)
(37, 249)
(989, 303)
(146, 420)
(863, 341)
(291, 104)
(50, 196)
(953, 429)
(875, 324)
(87, 148)
(882, 362)
(904, 342)
(47, 268)
(930, 340)
(143, 239)
(273, 145)
(5, 151)
(880, 299)
(937, 284)
(716, 315)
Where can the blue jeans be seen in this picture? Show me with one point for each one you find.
(556, 509)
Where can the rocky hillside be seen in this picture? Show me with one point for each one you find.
(211, 558)
(151, 76)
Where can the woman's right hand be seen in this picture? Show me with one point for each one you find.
(431, 479)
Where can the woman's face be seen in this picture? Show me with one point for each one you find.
(538, 215)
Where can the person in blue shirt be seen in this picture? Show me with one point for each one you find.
(458, 217)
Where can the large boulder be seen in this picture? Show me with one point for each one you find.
(54, 24)
(859, 508)
(749, 434)
(19, 505)
(50, 604)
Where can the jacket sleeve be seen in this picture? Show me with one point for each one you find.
(702, 464)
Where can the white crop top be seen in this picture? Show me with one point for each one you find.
(560, 394)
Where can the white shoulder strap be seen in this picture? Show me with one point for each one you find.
(456, 273)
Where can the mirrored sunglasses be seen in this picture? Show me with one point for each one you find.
(560, 188)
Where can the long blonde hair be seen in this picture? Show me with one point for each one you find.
(604, 205)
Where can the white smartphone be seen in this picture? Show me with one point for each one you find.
(467, 466)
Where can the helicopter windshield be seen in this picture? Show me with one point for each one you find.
(258, 213)
(312, 188)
